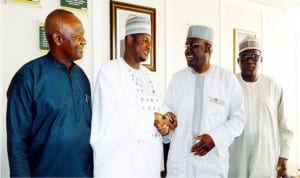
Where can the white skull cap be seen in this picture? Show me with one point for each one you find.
(137, 24)
(249, 42)
(202, 32)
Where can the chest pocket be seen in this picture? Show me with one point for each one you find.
(216, 110)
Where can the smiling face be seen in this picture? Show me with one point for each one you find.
(137, 49)
(65, 35)
(141, 47)
(249, 62)
(73, 39)
(197, 54)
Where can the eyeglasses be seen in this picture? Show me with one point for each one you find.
(192, 46)
(253, 57)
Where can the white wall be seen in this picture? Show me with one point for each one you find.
(2, 124)
(19, 44)
(297, 95)
(280, 62)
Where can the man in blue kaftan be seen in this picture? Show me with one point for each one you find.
(49, 107)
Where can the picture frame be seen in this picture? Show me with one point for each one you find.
(238, 36)
(43, 42)
(30, 2)
(119, 14)
(74, 5)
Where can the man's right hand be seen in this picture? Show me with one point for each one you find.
(172, 120)
(165, 123)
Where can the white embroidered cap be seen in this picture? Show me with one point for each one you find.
(249, 42)
(137, 24)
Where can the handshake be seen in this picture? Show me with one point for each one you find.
(165, 123)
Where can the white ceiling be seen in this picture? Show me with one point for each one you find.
(279, 4)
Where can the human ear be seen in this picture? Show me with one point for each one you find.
(129, 39)
(208, 48)
(57, 38)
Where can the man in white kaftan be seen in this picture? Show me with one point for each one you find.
(262, 149)
(220, 115)
(126, 143)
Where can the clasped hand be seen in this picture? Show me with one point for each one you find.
(165, 123)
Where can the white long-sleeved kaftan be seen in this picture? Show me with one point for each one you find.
(124, 140)
(223, 118)
(266, 135)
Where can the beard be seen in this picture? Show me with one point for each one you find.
(193, 63)
(142, 59)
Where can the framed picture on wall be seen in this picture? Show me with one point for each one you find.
(31, 2)
(43, 43)
(119, 14)
(238, 36)
(75, 5)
